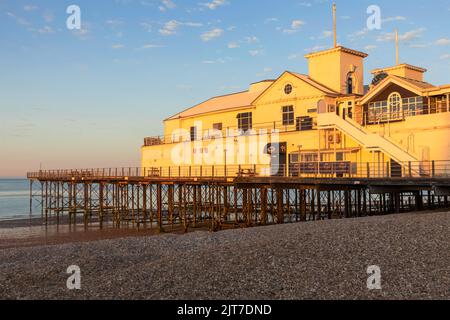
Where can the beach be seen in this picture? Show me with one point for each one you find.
(315, 260)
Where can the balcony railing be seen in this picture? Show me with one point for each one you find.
(210, 134)
(343, 169)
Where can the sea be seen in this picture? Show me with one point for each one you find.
(14, 199)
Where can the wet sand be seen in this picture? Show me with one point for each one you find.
(33, 232)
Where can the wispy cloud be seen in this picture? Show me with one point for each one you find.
(171, 27)
(295, 26)
(396, 18)
(29, 7)
(233, 45)
(370, 47)
(406, 37)
(19, 20)
(118, 46)
(214, 4)
(151, 46)
(166, 5)
(445, 56)
(443, 42)
(255, 53)
(211, 35)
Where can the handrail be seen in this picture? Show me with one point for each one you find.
(342, 169)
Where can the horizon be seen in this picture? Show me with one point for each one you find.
(87, 98)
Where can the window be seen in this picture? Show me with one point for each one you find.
(304, 123)
(349, 84)
(288, 116)
(245, 122)
(217, 126)
(193, 133)
(395, 105)
(412, 106)
(288, 89)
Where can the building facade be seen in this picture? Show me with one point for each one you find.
(325, 123)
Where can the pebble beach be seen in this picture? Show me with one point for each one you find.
(315, 260)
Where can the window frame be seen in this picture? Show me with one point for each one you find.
(288, 115)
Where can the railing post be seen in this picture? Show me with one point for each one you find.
(433, 169)
(212, 173)
(169, 172)
(179, 172)
(190, 171)
(201, 171)
(409, 169)
(368, 169)
(387, 171)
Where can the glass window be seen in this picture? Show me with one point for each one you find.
(193, 133)
(288, 116)
(245, 122)
(288, 89)
(217, 126)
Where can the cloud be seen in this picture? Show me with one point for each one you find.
(370, 47)
(29, 7)
(445, 56)
(19, 20)
(443, 42)
(151, 46)
(118, 46)
(396, 18)
(46, 30)
(326, 34)
(255, 53)
(212, 34)
(406, 37)
(269, 20)
(166, 5)
(295, 25)
(114, 22)
(48, 16)
(214, 4)
(251, 40)
(171, 27)
(233, 45)
(305, 4)
(217, 61)
(265, 72)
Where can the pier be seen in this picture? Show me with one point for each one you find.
(222, 197)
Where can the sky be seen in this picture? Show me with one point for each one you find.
(86, 98)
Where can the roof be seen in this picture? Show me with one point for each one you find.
(413, 85)
(339, 48)
(416, 83)
(220, 103)
(315, 84)
(403, 65)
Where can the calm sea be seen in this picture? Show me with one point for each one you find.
(14, 198)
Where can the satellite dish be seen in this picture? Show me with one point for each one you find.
(379, 77)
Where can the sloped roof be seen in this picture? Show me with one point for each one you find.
(225, 102)
(413, 85)
(315, 84)
(416, 83)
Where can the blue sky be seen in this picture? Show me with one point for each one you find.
(87, 98)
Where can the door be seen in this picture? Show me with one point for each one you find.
(278, 158)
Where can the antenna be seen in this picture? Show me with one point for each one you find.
(396, 47)
(334, 25)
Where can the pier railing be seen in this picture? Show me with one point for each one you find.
(343, 169)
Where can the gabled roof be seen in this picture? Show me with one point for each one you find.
(412, 85)
(226, 102)
(314, 83)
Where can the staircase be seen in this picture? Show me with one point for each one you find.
(366, 139)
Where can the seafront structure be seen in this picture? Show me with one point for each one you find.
(324, 123)
(301, 147)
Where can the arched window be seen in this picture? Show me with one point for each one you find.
(395, 105)
(350, 83)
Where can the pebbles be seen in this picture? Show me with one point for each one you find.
(316, 260)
